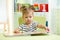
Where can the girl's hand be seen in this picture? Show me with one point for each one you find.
(17, 30)
(47, 29)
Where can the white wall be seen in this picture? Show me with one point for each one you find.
(57, 14)
(3, 16)
(54, 15)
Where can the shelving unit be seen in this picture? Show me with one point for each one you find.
(32, 2)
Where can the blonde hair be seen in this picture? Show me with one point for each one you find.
(26, 10)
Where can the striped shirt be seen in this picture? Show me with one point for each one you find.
(31, 28)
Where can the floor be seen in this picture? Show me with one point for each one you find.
(38, 37)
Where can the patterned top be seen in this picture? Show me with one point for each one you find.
(32, 27)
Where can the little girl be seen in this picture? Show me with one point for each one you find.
(29, 25)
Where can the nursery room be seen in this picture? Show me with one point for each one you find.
(31, 18)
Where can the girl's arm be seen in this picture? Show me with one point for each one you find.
(41, 26)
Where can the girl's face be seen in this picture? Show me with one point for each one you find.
(28, 18)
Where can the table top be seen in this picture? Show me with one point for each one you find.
(42, 37)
